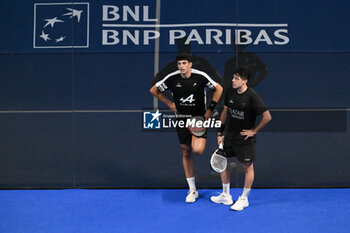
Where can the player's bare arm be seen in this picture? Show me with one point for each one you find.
(154, 91)
(266, 117)
(223, 118)
(216, 97)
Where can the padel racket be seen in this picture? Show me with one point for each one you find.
(196, 127)
(218, 160)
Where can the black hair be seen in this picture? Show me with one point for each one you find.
(243, 72)
(184, 56)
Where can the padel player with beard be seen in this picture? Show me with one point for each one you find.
(241, 107)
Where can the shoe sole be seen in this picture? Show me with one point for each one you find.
(239, 209)
(225, 203)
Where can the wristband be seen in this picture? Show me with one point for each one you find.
(212, 105)
(221, 129)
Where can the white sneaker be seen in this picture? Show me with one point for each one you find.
(240, 204)
(223, 198)
(191, 196)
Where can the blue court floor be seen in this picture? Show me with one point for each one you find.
(164, 210)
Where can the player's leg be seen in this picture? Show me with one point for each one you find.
(225, 177)
(225, 197)
(185, 139)
(198, 144)
(187, 161)
(249, 177)
(246, 158)
(248, 169)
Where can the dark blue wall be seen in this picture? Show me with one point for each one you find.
(71, 116)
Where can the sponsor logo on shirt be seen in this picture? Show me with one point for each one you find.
(236, 114)
(188, 101)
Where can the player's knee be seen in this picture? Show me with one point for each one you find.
(248, 166)
(186, 151)
(198, 150)
(186, 154)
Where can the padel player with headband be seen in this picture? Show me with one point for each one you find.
(241, 107)
(188, 89)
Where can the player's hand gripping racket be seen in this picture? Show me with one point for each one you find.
(218, 160)
(196, 127)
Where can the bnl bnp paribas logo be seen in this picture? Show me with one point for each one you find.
(61, 25)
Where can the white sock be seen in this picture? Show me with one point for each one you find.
(226, 188)
(245, 192)
(191, 183)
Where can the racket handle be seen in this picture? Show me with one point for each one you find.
(221, 147)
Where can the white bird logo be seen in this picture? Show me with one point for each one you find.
(45, 36)
(74, 13)
(60, 39)
(52, 22)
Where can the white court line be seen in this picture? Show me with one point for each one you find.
(195, 25)
(140, 110)
(309, 109)
(68, 111)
